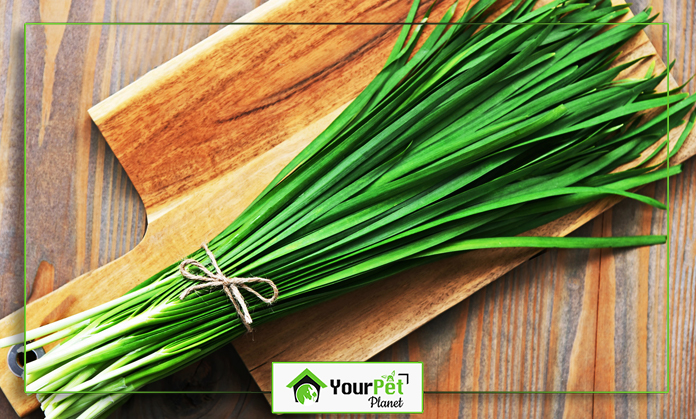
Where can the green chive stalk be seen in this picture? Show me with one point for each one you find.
(481, 134)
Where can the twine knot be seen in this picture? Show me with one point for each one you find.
(231, 286)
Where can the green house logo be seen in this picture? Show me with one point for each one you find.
(306, 387)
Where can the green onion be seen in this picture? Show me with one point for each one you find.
(480, 135)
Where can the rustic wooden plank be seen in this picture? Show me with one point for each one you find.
(682, 294)
(530, 404)
(634, 306)
(12, 16)
(82, 200)
(642, 317)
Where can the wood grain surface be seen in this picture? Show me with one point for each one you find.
(464, 347)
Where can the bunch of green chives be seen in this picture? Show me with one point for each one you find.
(482, 133)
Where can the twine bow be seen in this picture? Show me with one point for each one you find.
(230, 285)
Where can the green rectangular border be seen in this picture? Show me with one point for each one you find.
(349, 413)
(346, 24)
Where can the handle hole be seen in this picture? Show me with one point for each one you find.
(31, 356)
(15, 358)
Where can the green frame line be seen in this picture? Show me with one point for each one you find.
(26, 24)
(331, 23)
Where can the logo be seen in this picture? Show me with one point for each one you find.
(347, 387)
(306, 387)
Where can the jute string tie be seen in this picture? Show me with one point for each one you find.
(231, 286)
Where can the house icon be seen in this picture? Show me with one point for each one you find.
(306, 387)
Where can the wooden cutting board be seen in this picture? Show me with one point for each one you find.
(201, 135)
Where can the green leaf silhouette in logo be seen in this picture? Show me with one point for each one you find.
(306, 393)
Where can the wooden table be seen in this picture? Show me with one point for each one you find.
(567, 320)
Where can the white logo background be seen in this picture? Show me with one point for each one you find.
(381, 391)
